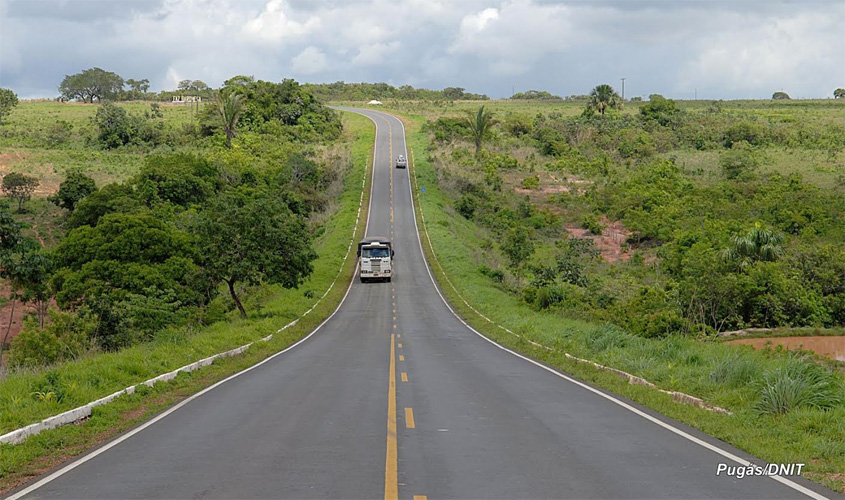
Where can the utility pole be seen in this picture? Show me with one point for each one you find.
(623, 90)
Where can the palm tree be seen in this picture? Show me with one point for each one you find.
(603, 97)
(229, 109)
(759, 244)
(480, 127)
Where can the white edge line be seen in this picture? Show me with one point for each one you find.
(810, 493)
(64, 470)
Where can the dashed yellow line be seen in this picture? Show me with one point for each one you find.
(420, 497)
(400, 345)
(404, 377)
(391, 482)
(409, 418)
(401, 357)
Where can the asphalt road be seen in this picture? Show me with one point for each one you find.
(396, 396)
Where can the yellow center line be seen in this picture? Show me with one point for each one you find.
(401, 357)
(409, 418)
(400, 345)
(420, 497)
(404, 377)
(391, 482)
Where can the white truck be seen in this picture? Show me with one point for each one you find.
(375, 258)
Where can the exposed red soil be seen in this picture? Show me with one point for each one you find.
(609, 244)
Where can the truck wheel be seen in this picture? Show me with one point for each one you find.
(363, 280)
(387, 279)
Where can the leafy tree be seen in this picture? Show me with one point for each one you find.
(839, 93)
(538, 95)
(517, 246)
(739, 161)
(780, 96)
(758, 244)
(93, 83)
(132, 273)
(480, 126)
(453, 93)
(197, 86)
(114, 126)
(180, 179)
(229, 110)
(661, 110)
(73, 189)
(112, 198)
(19, 187)
(251, 239)
(603, 97)
(8, 100)
(12, 244)
(34, 271)
(138, 86)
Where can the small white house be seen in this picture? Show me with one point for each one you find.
(374, 102)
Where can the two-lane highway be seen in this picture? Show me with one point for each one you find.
(395, 396)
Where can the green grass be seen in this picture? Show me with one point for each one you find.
(723, 375)
(87, 379)
(27, 146)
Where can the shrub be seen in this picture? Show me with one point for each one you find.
(466, 206)
(799, 383)
(495, 274)
(532, 182)
(739, 161)
(591, 222)
(74, 188)
(66, 336)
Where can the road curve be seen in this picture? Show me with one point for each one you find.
(395, 396)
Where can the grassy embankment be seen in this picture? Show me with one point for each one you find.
(96, 376)
(722, 375)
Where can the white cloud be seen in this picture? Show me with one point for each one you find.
(309, 61)
(374, 54)
(803, 54)
(275, 23)
(725, 49)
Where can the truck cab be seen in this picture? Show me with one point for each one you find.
(375, 259)
(401, 162)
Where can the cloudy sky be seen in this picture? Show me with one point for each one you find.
(719, 49)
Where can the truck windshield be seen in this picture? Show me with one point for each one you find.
(375, 252)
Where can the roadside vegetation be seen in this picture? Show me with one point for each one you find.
(593, 236)
(190, 249)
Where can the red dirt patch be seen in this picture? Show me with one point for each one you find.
(609, 243)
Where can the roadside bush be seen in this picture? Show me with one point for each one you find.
(66, 336)
(799, 383)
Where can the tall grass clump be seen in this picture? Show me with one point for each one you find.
(731, 368)
(799, 383)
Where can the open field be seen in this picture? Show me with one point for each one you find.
(46, 139)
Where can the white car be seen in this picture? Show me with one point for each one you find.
(401, 162)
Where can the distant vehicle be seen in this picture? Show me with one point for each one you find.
(375, 258)
(401, 162)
